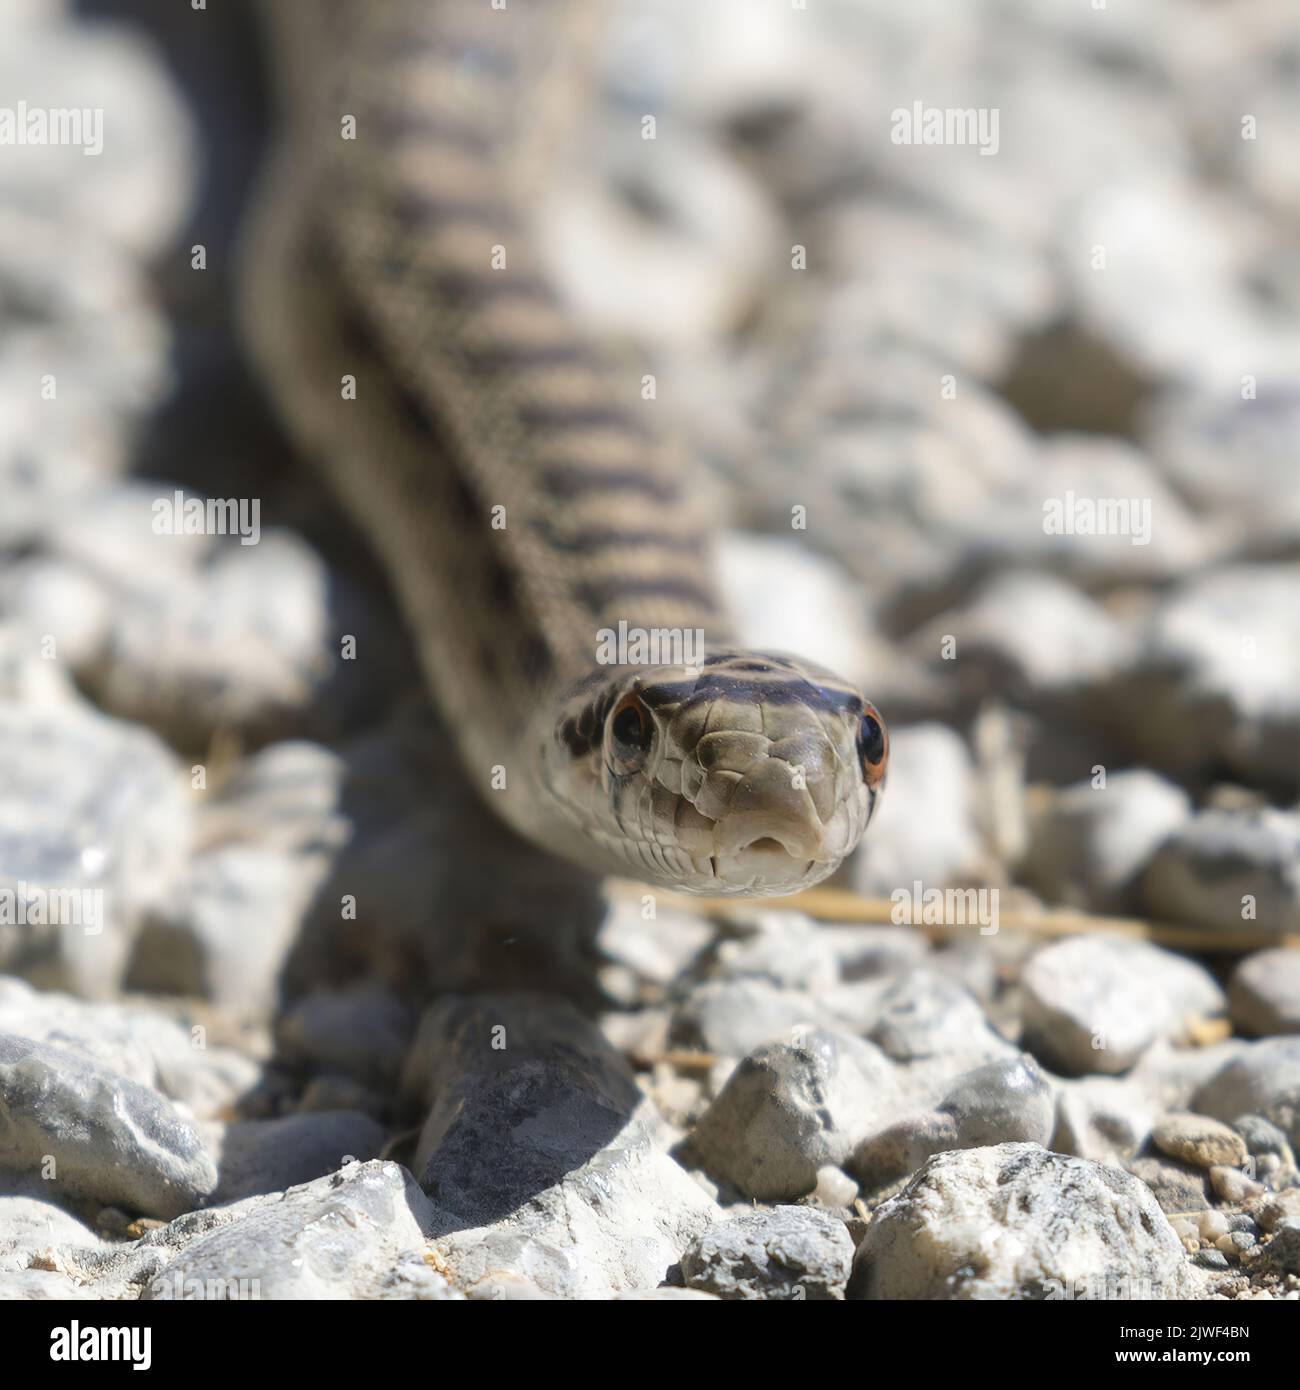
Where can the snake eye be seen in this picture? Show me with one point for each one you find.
(631, 732)
(872, 747)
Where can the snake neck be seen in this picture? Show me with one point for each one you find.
(520, 490)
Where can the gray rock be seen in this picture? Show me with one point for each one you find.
(924, 828)
(835, 1190)
(333, 1092)
(363, 1032)
(506, 1288)
(1094, 1004)
(271, 833)
(1169, 300)
(1233, 1187)
(136, 190)
(854, 1008)
(732, 1017)
(1235, 459)
(1282, 1253)
(390, 908)
(110, 1140)
(870, 952)
(997, 1103)
(413, 1278)
(227, 936)
(1030, 634)
(786, 597)
(928, 1015)
(667, 1294)
(1015, 1221)
(1103, 1118)
(31, 1285)
(1219, 677)
(123, 1270)
(286, 798)
(1089, 845)
(108, 532)
(786, 949)
(338, 1237)
(1170, 1073)
(25, 677)
(787, 1254)
(30, 1222)
(672, 293)
(856, 417)
(1211, 1259)
(928, 259)
(1263, 1080)
(790, 1108)
(1198, 1140)
(657, 948)
(100, 329)
(1230, 868)
(1279, 1209)
(580, 1196)
(48, 461)
(52, 599)
(136, 1042)
(1092, 467)
(251, 642)
(1178, 1187)
(1264, 993)
(256, 1156)
(94, 833)
(1261, 1137)
(972, 965)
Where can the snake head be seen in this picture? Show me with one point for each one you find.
(750, 774)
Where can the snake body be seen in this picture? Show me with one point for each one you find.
(514, 483)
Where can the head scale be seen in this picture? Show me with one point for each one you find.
(748, 774)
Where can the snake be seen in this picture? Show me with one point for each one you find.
(546, 539)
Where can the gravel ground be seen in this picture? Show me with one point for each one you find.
(283, 1014)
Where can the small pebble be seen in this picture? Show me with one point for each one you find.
(1264, 993)
(1231, 1185)
(112, 1221)
(785, 1254)
(1210, 1259)
(1196, 1139)
(1279, 1208)
(834, 1187)
(1178, 1187)
(1262, 1078)
(1213, 1224)
(1265, 1140)
(1283, 1251)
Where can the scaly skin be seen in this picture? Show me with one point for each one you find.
(512, 481)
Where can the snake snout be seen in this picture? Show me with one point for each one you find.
(771, 808)
(749, 775)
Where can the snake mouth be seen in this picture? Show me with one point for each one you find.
(795, 835)
(776, 848)
(766, 845)
(764, 865)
